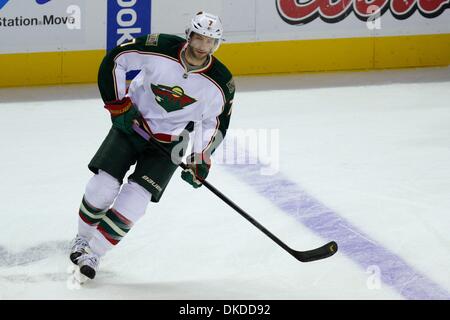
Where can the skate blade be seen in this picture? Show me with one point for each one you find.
(76, 279)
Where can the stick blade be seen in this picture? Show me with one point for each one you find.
(316, 254)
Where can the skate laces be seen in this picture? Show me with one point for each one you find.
(88, 259)
(79, 244)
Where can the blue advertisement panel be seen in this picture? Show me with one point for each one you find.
(127, 19)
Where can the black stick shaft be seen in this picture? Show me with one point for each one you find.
(296, 254)
(247, 216)
(213, 189)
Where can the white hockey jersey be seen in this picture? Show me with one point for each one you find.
(169, 97)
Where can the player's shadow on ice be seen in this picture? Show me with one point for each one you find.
(32, 254)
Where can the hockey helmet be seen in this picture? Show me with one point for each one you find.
(208, 25)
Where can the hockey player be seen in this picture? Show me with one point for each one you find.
(180, 87)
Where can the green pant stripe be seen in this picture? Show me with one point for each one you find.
(90, 208)
(90, 217)
(110, 231)
(113, 226)
(118, 222)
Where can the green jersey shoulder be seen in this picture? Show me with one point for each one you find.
(223, 77)
(161, 43)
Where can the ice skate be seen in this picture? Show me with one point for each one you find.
(88, 263)
(79, 247)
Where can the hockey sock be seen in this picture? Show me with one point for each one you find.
(89, 219)
(129, 206)
(101, 190)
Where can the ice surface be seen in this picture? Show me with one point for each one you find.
(373, 147)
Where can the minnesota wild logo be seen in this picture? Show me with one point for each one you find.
(171, 98)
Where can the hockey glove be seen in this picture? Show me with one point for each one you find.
(198, 169)
(123, 112)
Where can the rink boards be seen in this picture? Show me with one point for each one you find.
(64, 41)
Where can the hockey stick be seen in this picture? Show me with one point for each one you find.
(304, 256)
